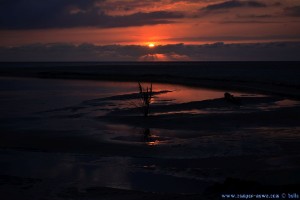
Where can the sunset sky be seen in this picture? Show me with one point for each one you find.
(96, 30)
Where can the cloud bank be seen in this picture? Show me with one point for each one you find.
(280, 51)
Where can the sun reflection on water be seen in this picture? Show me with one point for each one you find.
(150, 139)
(153, 143)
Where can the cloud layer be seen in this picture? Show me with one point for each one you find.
(45, 14)
(234, 4)
(177, 52)
(37, 14)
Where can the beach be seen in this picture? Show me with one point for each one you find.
(77, 130)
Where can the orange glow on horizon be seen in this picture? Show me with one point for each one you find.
(192, 32)
(151, 45)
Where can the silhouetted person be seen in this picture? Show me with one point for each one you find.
(227, 95)
(147, 134)
(230, 98)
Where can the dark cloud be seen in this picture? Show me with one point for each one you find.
(239, 38)
(293, 11)
(246, 22)
(285, 51)
(37, 14)
(234, 4)
(277, 4)
(164, 57)
(255, 16)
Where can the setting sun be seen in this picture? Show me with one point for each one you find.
(151, 45)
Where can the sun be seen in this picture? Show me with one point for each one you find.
(151, 45)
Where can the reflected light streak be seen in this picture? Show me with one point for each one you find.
(153, 143)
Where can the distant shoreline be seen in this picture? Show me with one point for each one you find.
(276, 78)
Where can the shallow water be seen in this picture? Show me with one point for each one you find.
(57, 131)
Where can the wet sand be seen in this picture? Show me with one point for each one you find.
(212, 145)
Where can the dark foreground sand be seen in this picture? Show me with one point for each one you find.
(267, 160)
(27, 188)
